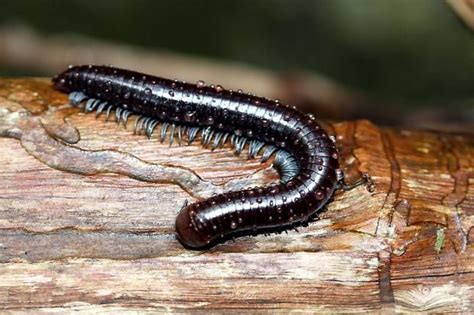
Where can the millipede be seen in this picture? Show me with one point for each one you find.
(305, 155)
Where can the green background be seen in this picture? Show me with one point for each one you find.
(406, 51)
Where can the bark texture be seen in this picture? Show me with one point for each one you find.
(87, 214)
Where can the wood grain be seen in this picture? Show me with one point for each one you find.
(87, 213)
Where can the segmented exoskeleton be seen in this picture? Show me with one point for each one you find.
(306, 156)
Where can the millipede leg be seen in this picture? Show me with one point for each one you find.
(255, 147)
(118, 114)
(164, 128)
(91, 104)
(125, 115)
(173, 126)
(109, 109)
(179, 135)
(364, 180)
(150, 127)
(268, 153)
(75, 98)
(100, 108)
(217, 139)
(224, 139)
(192, 133)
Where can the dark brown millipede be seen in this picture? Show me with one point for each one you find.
(305, 156)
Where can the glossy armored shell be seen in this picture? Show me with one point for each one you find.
(312, 153)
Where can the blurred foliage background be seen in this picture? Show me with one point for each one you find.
(412, 54)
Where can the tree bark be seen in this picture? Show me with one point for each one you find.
(87, 213)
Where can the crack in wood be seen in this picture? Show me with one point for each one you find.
(457, 195)
(395, 177)
(460, 177)
(387, 209)
(433, 276)
(47, 143)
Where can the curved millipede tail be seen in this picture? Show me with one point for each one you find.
(305, 156)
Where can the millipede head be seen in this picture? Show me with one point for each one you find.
(187, 232)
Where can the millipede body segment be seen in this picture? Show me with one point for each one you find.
(306, 157)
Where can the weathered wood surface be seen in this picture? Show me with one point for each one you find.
(87, 215)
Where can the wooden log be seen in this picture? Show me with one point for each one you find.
(87, 213)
